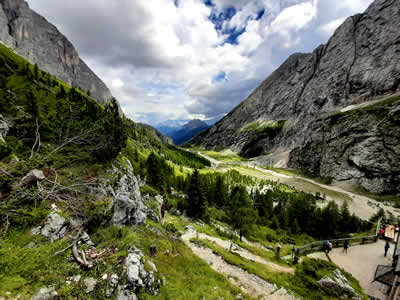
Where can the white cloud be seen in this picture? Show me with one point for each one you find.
(161, 60)
(329, 28)
(117, 83)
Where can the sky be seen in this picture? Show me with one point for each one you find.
(185, 59)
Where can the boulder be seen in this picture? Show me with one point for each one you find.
(32, 177)
(113, 285)
(90, 284)
(85, 239)
(125, 294)
(337, 285)
(3, 128)
(54, 228)
(137, 276)
(153, 205)
(46, 293)
(128, 204)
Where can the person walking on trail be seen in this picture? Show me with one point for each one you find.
(163, 210)
(345, 246)
(328, 246)
(278, 249)
(387, 246)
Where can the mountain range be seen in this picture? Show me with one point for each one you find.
(326, 112)
(182, 133)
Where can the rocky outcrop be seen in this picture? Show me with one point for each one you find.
(54, 227)
(137, 276)
(40, 42)
(359, 63)
(46, 293)
(338, 286)
(360, 147)
(3, 128)
(32, 177)
(128, 203)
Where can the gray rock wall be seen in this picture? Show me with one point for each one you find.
(359, 147)
(38, 41)
(361, 62)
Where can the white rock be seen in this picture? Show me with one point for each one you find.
(90, 284)
(45, 293)
(54, 228)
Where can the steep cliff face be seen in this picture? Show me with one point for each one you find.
(360, 146)
(361, 62)
(34, 38)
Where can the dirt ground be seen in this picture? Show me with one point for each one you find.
(361, 261)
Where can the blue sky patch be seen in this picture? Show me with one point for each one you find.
(233, 35)
(158, 88)
(218, 18)
(220, 77)
(260, 14)
(209, 3)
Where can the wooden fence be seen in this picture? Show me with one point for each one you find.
(336, 243)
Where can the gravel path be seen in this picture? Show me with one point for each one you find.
(361, 261)
(245, 253)
(251, 284)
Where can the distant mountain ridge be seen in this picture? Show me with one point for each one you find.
(182, 134)
(38, 41)
(284, 119)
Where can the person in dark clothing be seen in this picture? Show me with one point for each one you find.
(163, 210)
(387, 246)
(345, 246)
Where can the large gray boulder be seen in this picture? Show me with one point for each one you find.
(38, 41)
(46, 293)
(129, 208)
(128, 204)
(137, 277)
(54, 228)
(337, 285)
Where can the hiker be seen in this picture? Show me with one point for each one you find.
(345, 246)
(278, 249)
(387, 246)
(163, 210)
(328, 246)
(382, 233)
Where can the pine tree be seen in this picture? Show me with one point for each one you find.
(36, 71)
(275, 223)
(242, 212)
(196, 200)
(61, 93)
(221, 194)
(294, 227)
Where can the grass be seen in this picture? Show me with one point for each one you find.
(303, 283)
(227, 156)
(187, 276)
(259, 126)
(390, 199)
(24, 270)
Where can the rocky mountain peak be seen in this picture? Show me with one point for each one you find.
(196, 123)
(359, 64)
(40, 42)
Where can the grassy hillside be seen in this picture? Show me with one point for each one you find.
(84, 149)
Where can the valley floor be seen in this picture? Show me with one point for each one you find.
(363, 206)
